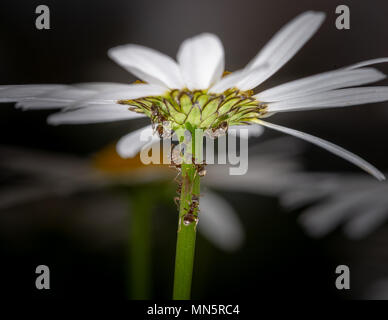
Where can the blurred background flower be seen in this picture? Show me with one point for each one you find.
(349, 203)
(141, 187)
(349, 199)
(39, 175)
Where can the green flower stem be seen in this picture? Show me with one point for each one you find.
(140, 246)
(185, 246)
(187, 221)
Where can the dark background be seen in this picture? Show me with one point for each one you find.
(278, 259)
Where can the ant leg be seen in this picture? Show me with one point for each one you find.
(176, 177)
(177, 200)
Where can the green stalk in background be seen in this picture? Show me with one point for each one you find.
(140, 239)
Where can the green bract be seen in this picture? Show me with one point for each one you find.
(199, 108)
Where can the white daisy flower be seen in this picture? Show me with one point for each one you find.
(193, 90)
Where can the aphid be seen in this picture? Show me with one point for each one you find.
(201, 169)
(224, 125)
(217, 132)
(155, 114)
(202, 173)
(176, 157)
(177, 167)
(194, 205)
(160, 123)
(167, 131)
(159, 130)
(179, 188)
(189, 218)
(179, 183)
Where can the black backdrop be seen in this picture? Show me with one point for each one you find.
(279, 260)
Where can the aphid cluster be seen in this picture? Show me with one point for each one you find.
(191, 215)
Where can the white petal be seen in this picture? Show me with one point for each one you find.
(320, 83)
(93, 114)
(298, 30)
(201, 60)
(41, 104)
(282, 47)
(267, 175)
(336, 98)
(149, 65)
(131, 144)
(298, 198)
(55, 98)
(13, 196)
(228, 82)
(61, 96)
(307, 189)
(220, 223)
(253, 77)
(323, 218)
(13, 93)
(73, 173)
(133, 91)
(367, 63)
(378, 290)
(254, 130)
(101, 86)
(337, 150)
(368, 221)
